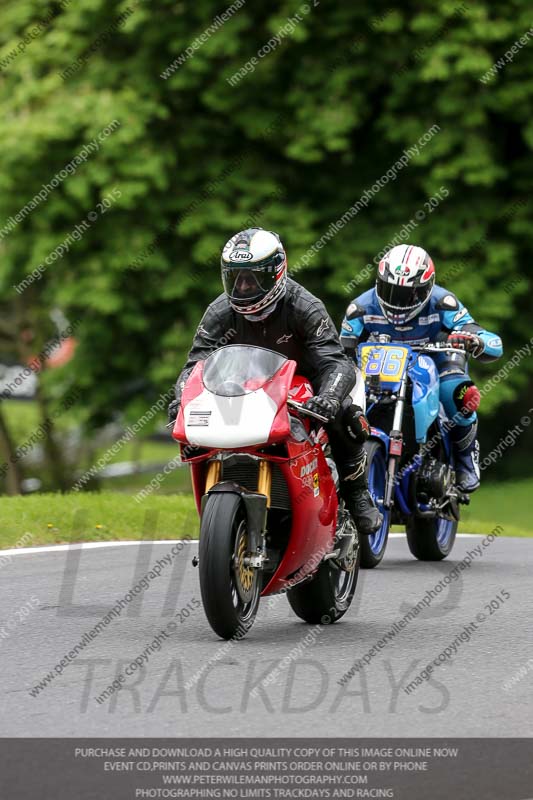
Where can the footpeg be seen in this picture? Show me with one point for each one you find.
(345, 541)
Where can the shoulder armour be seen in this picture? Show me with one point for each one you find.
(448, 302)
(354, 311)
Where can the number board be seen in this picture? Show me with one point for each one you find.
(387, 362)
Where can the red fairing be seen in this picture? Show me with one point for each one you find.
(277, 389)
(314, 505)
(301, 390)
(193, 388)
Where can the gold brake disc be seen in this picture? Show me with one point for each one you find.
(243, 573)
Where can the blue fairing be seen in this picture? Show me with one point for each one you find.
(377, 433)
(425, 380)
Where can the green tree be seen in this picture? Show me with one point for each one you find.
(291, 145)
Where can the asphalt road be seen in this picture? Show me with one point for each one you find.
(65, 593)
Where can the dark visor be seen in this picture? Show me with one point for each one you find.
(402, 297)
(246, 284)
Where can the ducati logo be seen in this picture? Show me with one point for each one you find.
(307, 469)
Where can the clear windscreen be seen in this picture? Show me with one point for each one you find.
(240, 369)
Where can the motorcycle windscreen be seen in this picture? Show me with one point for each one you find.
(386, 362)
(242, 398)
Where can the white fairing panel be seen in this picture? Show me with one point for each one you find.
(230, 422)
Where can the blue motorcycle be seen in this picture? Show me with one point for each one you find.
(410, 466)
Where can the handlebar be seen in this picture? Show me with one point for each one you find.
(437, 347)
(303, 410)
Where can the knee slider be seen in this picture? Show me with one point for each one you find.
(467, 398)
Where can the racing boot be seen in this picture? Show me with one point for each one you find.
(354, 491)
(466, 452)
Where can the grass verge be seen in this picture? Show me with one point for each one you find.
(107, 516)
(93, 517)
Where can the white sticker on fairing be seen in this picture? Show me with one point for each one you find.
(199, 418)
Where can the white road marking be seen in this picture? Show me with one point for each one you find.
(60, 548)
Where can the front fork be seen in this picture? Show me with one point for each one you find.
(256, 513)
(395, 443)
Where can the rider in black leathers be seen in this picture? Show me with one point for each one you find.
(261, 306)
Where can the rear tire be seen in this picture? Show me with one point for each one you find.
(223, 577)
(373, 547)
(431, 538)
(328, 595)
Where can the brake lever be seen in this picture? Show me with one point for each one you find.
(303, 410)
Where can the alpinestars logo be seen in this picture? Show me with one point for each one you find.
(475, 460)
(201, 331)
(284, 338)
(322, 327)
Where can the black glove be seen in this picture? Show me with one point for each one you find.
(468, 342)
(324, 404)
(173, 409)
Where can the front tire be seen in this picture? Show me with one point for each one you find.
(431, 538)
(230, 590)
(328, 595)
(373, 547)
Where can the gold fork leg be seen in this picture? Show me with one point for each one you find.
(264, 481)
(213, 474)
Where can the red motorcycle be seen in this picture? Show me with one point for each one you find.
(266, 491)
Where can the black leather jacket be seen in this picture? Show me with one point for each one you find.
(299, 328)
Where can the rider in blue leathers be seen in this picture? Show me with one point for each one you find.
(408, 307)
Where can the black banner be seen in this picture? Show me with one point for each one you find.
(132, 769)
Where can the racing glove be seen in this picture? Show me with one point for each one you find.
(173, 409)
(324, 404)
(468, 342)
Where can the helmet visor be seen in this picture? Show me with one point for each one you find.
(247, 286)
(402, 298)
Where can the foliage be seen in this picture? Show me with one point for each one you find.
(290, 147)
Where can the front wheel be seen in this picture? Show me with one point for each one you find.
(431, 538)
(328, 595)
(373, 546)
(230, 589)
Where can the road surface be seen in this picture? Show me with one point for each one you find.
(196, 685)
